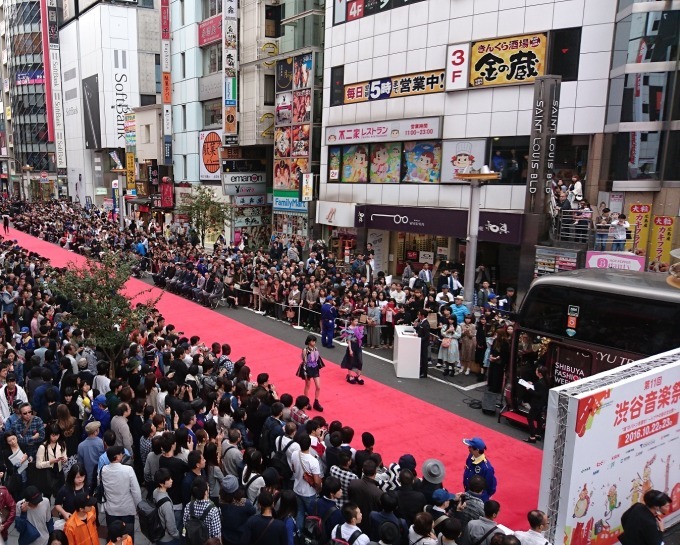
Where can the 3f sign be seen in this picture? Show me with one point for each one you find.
(457, 66)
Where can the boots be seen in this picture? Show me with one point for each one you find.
(317, 406)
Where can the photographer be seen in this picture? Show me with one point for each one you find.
(470, 504)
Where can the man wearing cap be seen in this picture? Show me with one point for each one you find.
(440, 504)
(81, 527)
(328, 315)
(36, 510)
(90, 450)
(10, 393)
(477, 464)
(458, 309)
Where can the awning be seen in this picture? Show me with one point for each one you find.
(139, 200)
(298, 214)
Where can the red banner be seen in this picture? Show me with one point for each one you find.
(210, 31)
(165, 19)
(167, 195)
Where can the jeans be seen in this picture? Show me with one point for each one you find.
(617, 245)
(306, 505)
(129, 521)
(601, 241)
(179, 521)
(327, 333)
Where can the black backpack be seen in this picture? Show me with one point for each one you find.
(314, 528)
(195, 529)
(279, 461)
(150, 523)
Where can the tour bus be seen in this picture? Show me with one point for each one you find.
(583, 322)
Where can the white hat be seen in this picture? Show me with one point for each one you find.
(464, 147)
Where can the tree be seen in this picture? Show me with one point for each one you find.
(100, 304)
(206, 213)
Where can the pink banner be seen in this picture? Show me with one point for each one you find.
(210, 31)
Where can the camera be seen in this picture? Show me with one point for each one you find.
(462, 498)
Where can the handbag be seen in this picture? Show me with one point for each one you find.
(432, 318)
(301, 371)
(446, 342)
(27, 532)
(363, 319)
(308, 477)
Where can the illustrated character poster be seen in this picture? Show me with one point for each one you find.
(422, 162)
(302, 71)
(385, 163)
(282, 174)
(284, 108)
(334, 157)
(355, 164)
(300, 141)
(302, 106)
(282, 142)
(462, 157)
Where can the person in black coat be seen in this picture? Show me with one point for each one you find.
(423, 328)
(642, 523)
(538, 402)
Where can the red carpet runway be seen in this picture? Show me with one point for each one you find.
(401, 423)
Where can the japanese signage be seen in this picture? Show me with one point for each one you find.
(130, 170)
(167, 194)
(542, 143)
(419, 83)
(210, 31)
(351, 10)
(551, 260)
(457, 66)
(230, 68)
(250, 215)
(243, 189)
(462, 157)
(289, 204)
(399, 130)
(30, 77)
(257, 200)
(639, 216)
(55, 79)
(130, 132)
(606, 260)
(508, 61)
(165, 19)
(661, 243)
(166, 88)
(209, 163)
(622, 440)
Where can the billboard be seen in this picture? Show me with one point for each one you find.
(419, 83)
(209, 143)
(55, 80)
(93, 126)
(230, 69)
(614, 436)
(508, 61)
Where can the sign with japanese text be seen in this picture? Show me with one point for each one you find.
(621, 438)
(230, 68)
(167, 195)
(399, 130)
(614, 260)
(209, 154)
(457, 66)
(508, 61)
(130, 170)
(166, 88)
(165, 19)
(352, 10)
(166, 94)
(419, 83)
(661, 244)
(210, 30)
(639, 216)
(130, 132)
(253, 200)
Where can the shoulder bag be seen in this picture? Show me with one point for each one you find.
(481, 539)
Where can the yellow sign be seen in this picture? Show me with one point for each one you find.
(130, 168)
(8, 113)
(420, 83)
(508, 61)
(639, 216)
(662, 243)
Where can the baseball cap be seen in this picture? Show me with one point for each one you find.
(229, 484)
(32, 495)
(441, 495)
(24, 330)
(476, 443)
(93, 426)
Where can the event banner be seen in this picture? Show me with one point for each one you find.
(230, 65)
(419, 83)
(614, 436)
(662, 244)
(508, 61)
(639, 217)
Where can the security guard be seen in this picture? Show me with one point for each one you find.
(477, 464)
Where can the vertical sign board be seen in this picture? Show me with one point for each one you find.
(230, 63)
(166, 82)
(457, 66)
(662, 244)
(613, 437)
(44, 26)
(55, 79)
(542, 143)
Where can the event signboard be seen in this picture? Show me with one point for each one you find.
(613, 437)
(662, 244)
(419, 83)
(622, 261)
(639, 217)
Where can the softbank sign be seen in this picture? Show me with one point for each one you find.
(122, 90)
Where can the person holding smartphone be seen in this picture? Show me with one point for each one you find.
(643, 522)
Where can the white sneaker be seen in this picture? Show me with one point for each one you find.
(438, 365)
(467, 371)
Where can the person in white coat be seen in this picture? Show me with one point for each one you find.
(9, 393)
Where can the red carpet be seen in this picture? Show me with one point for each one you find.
(401, 423)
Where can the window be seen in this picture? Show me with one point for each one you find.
(211, 7)
(212, 59)
(337, 85)
(651, 101)
(145, 136)
(157, 68)
(565, 50)
(182, 65)
(646, 37)
(272, 21)
(184, 167)
(183, 120)
(212, 113)
(147, 100)
(269, 90)
(181, 12)
(635, 155)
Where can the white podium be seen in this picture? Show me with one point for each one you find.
(406, 352)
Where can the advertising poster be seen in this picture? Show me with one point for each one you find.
(661, 244)
(91, 110)
(334, 160)
(299, 165)
(422, 162)
(282, 142)
(302, 106)
(462, 156)
(284, 108)
(230, 68)
(508, 61)
(284, 75)
(397, 130)
(639, 216)
(385, 163)
(210, 143)
(355, 164)
(302, 71)
(621, 440)
(300, 141)
(614, 260)
(419, 83)
(282, 174)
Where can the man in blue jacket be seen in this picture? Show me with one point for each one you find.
(328, 315)
(477, 464)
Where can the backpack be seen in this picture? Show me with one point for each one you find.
(195, 529)
(418, 284)
(266, 439)
(337, 539)
(150, 523)
(279, 461)
(314, 528)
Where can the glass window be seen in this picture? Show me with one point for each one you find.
(422, 162)
(355, 164)
(634, 155)
(212, 59)
(212, 113)
(334, 163)
(647, 37)
(641, 97)
(670, 170)
(565, 50)
(272, 21)
(211, 7)
(269, 90)
(385, 165)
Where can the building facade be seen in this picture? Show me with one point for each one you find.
(417, 93)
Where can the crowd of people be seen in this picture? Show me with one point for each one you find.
(190, 446)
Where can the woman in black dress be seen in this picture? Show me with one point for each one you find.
(310, 371)
(353, 361)
(538, 401)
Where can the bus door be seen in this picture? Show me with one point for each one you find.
(567, 364)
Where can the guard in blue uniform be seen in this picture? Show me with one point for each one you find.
(328, 315)
(477, 464)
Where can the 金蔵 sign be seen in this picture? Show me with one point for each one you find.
(419, 83)
(398, 130)
(508, 61)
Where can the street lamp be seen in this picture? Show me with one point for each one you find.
(476, 182)
(25, 181)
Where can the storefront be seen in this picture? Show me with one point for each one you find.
(336, 222)
(437, 236)
(291, 218)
